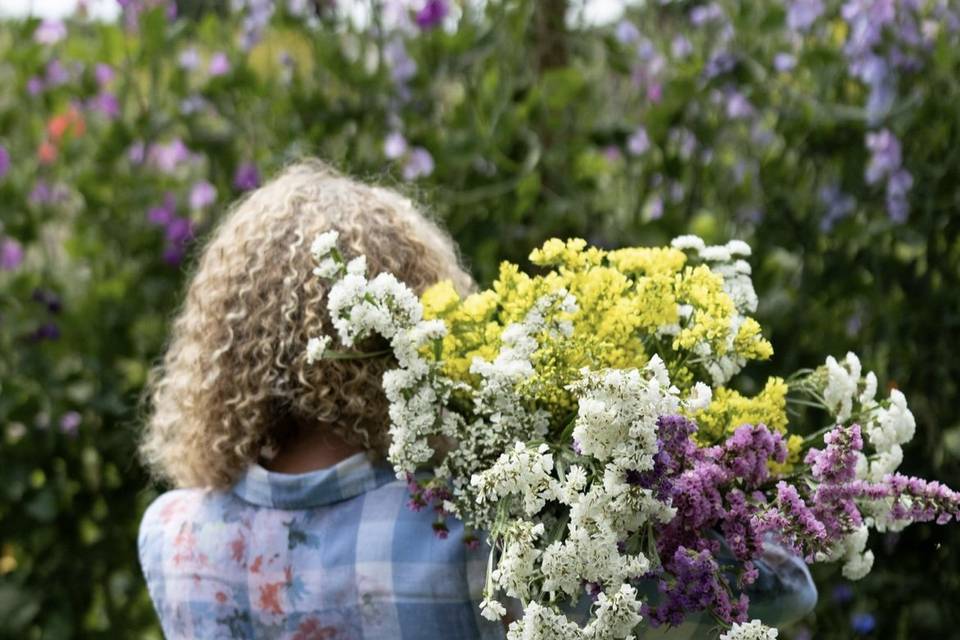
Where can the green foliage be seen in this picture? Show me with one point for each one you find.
(528, 141)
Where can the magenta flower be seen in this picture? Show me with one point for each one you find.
(202, 195)
(432, 14)
(164, 213)
(4, 161)
(219, 64)
(11, 254)
(50, 32)
(247, 177)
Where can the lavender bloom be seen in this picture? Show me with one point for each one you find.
(432, 14)
(103, 73)
(784, 62)
(898, 186)
(219, 64)
(419, 164)
(838, 206)
(163, 214)
(639, 142)
(106, 104)
(179, 231)
(70, 423)
(704, 14)
(627, 32)
(35, 86)
(4, 161)
(202, 195)
(255, 22)
(394, 145)
(189, 59)
(402, 66)
(247, 177)
(50, 32)
(11, 254)
(801, 14)
(681, 47)
(747, 451)
(885, 156)
(719, 64)
(738, 106)
(167, 157)
(56, 74)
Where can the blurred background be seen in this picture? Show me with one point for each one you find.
(825, 133)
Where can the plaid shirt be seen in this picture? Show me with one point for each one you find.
(331, 554)
(335, 554)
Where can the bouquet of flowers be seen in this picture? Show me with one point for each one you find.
(583, 417)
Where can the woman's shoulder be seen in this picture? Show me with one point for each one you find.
(170, 511)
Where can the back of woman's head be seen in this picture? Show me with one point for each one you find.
(235, 377)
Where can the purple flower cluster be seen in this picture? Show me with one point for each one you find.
(886, 165)
(178, 230)
(432, 494)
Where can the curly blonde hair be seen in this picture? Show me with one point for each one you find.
(235, 376)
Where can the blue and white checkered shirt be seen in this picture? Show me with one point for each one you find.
(335, 554)
(332, 554)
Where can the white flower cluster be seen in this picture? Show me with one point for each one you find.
(753, 630)
(726, 261)
(359, 308)
(887, 425)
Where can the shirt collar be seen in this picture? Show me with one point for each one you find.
(348, 478)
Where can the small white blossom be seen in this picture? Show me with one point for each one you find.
(316, 347)
(753, 630)
(324, 244)
(715, 253)
(700, 397)
(738, 248)
(687, 242)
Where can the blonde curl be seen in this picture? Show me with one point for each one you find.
(235, 376)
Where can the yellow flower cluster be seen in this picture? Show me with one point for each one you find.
(632, 303)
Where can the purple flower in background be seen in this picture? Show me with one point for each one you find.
(49, 299)
(419, 164)
(11, 254)
(738, 106)
(35, 85)
(402, 66)
(163, 213)
(50, 32)
(703, 14)
(639, 142)
(862, 623)
(4, 161)
(167, 157)
(202, 195)
(70, 423)
(46, 331)
(898, 186)
(837, 203)
(801, 14)
(189, 58)
(885, 155)
(394, 145)
(432, 14)
(612, 153)
(681, 46)
(720, 63)
(783, 62)
(654, 208)
(246, 177)
(255, 22)
(842, 593)
(56, 74)
(627, 32)
(219, 64)
(106, 104)
(103, 73)
(179, 231)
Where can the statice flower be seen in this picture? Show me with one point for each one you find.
(753, 630)
(246, 177)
